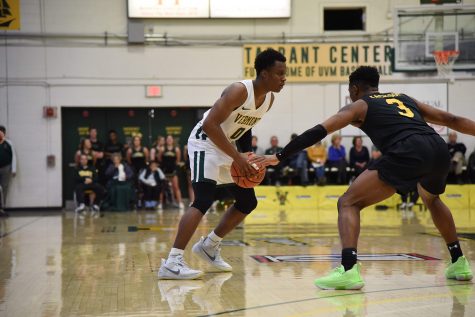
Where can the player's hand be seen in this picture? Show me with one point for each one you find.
(264, 160)
(245, 166)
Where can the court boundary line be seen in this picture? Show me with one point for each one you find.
(333, 296)
(19, 228)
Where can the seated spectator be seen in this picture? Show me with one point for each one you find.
(151, 179)
(471, 167)
(273, 173)
(119, 184)
(113, 146)
(457, 156)
(337, 158)
(87, 180)
(299, 164)
(255, 148)
(375, 154)
(317, 155)
(413, 197)
(359, 156)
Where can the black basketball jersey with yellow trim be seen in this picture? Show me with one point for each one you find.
(392, 117)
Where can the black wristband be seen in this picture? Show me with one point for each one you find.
(303, 141)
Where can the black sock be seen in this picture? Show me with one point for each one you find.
(348, 258)
(455, 251)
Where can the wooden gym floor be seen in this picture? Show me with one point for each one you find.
(54, 264)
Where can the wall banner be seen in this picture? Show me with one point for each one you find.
(323, 62)
(9, 14)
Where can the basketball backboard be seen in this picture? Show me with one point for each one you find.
(418, 31)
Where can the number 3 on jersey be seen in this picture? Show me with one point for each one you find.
(406, 112)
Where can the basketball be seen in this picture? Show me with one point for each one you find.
(247, 182)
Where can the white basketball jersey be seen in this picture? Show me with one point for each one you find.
(241, 119)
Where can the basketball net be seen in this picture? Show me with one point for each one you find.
(444, 61)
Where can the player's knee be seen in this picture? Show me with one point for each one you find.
(204, 193)
(343, 202)
(202, 204)
(346, 201)
(246, 206)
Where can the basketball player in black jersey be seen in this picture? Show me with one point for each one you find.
(414, 155)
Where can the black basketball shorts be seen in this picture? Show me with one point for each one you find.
(416, 159)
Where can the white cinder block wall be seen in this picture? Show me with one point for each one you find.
(35, 73)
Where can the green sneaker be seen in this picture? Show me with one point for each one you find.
(459, 270)
(339, 279)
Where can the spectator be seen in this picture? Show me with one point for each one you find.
(137, 155)
(85, 148)
(471, 167)
(317, 155)
(119, 185)
(337, 158)
(273, 173)
(359, 156)
(255, 148)
(413, 197)
(375, 154)
(299, 164)
(113, 146)
(157, 147)
(7, 168)
(170, 158)
(151, 179)
(98, 148)
(87, 180)
(457, 155)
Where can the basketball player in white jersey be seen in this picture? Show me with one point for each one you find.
(221, 137)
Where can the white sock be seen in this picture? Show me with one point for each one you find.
(175, 252)
(213, 238)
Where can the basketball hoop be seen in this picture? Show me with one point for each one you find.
(444, 61)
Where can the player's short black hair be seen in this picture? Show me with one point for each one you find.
(366, 76)
(267, 59)
(3, 129)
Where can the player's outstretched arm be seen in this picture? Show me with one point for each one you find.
(351, 114)
(452, 121)
(231, 98)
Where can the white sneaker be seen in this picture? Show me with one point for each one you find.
(181, 206)
(175, 268)
(211, 254)
(403, 206)
(177, 292)
(209, 296)
(80, 208)
(96, 208)
(410, 205)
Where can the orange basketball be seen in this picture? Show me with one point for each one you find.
(245, 182)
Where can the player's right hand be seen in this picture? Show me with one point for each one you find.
(245, 166)
(264, 160)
